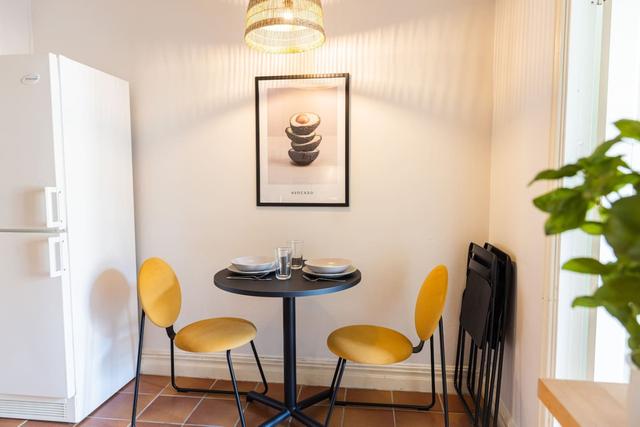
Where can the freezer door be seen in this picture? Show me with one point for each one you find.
(35, 314)
(31, 163)
(99, 179)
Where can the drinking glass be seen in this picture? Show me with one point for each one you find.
(283, 263)
(296, 253)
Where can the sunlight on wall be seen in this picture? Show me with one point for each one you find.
(520, 147)
(221, 74)
(420, 126)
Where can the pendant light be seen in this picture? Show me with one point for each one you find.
(284, 26)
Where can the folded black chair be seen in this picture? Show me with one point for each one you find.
(483, 318)
(504, 290)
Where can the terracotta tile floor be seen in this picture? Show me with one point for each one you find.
(159, 405)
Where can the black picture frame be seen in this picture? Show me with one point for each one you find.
(346, 77)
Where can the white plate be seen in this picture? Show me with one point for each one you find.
(350, 270)
(328, 265)
(253, 263)
(233, 269)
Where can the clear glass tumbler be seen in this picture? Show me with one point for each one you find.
(296, 253)
(283, 263)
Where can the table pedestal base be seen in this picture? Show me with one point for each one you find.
(286, 412)
(288, 290)
(290, 407)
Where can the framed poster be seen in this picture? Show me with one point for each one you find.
(302, 140)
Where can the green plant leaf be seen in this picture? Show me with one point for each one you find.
(606, 164)
(569, 220)
(602, 149)
(592, 227)
(588, 266)
(586, 301)
(627, 316)
(554, 201)
(619, 291)
(629, 128)
(603, 176)
(622, 229)
(618, 295)
(632, 178)
(567, 207)
(564, 171)
(600, 184)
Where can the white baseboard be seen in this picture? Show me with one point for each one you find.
(504, 417)
(402, 376)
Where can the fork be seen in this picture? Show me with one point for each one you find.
(255, 277)
(322, 279)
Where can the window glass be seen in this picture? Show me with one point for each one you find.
(603, 86)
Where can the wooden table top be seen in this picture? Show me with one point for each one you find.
(585, 403)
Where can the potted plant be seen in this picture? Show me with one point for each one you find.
(604, 202)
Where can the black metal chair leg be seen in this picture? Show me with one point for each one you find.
(173, 365)
(179, 389)
(498, 386)
(472, 372)
(264, 379)
(457, 381)
(336, 388)
(235, 389)
(471, 367)
(391, 405)
(433, 371)
(443, 367)
(488, 388)
(459, 363)
(478, 395)
(335, 376)
(138, 365)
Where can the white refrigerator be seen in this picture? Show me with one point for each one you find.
(68, 304)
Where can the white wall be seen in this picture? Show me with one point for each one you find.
(420, 145)
(15, 27)
(521, 146)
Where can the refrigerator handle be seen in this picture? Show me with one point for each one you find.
(53, 207)
(58, 262)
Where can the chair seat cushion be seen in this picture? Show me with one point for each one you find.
(212, 335)
(369, 344)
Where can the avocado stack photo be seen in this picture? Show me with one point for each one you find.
(304, 140)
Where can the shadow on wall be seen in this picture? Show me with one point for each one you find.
(436, 44)
(110, 296)
(109, 300)
(508, 369)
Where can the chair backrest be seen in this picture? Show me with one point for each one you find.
(159, 292)
(430, 302)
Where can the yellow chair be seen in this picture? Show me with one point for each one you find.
(161, 299)
(376, 345)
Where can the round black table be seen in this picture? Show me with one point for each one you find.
(288, 290)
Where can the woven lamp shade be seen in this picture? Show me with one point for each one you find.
(284, 26)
